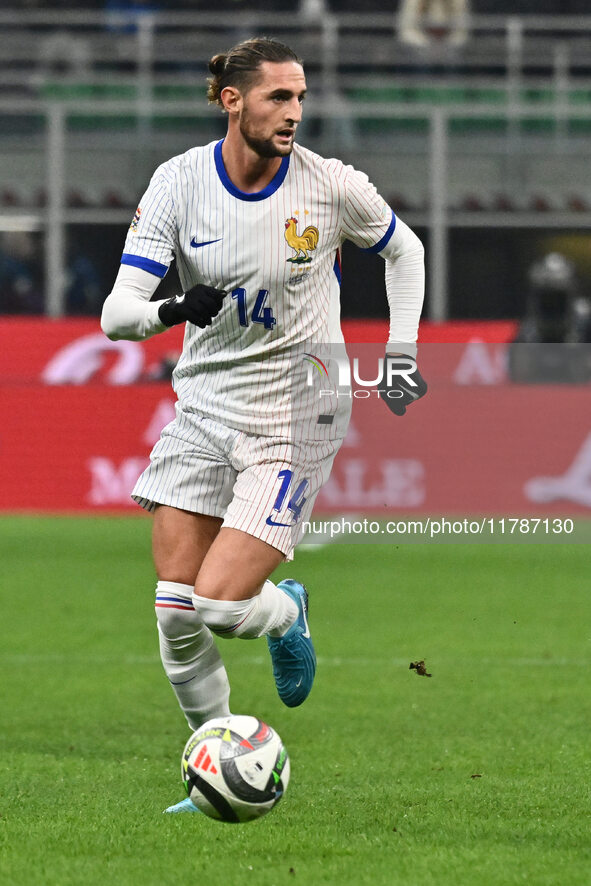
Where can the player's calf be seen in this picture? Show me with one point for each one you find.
(189, 655)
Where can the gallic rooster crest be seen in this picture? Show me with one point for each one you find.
(302, 243)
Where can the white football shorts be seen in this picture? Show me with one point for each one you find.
(265, 486)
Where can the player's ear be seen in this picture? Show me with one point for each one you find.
(231, 99)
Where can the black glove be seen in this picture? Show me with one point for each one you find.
(400, 391)
(199, 305)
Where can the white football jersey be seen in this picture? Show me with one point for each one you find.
(277, 253)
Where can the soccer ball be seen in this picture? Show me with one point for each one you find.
(235, 768)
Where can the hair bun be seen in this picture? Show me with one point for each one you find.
(217, 64)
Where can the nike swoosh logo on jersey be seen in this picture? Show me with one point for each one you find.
(205, 242)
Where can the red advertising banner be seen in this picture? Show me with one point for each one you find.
(503, 450)
(77, 448)
(75, 351)
(80, 416)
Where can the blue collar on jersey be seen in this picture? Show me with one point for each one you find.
(273, 185)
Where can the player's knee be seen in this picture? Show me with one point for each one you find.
(176, 571)
(223, 586)
(175, 613)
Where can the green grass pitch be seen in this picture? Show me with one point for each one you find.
(477, 775)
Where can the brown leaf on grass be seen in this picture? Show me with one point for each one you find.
(419, 667)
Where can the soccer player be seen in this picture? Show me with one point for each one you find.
(256, 223)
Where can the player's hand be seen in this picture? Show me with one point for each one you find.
(401, 383)
(199, 306)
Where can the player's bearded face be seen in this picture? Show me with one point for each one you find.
(262, 139)
(271, 110)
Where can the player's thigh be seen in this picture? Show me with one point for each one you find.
(236, 566)
(180, 542)
(189, 468)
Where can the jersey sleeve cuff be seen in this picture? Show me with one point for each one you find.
(381, 244)
(146, 264)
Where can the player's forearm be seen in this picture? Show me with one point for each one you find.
(128, 312)
(405, 288)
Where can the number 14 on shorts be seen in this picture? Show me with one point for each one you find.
(287, 508)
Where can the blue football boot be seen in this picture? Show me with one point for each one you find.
(293, 657)
(184, 806)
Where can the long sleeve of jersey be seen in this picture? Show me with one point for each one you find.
(149, 249)
(370, 223)
(405, 288)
